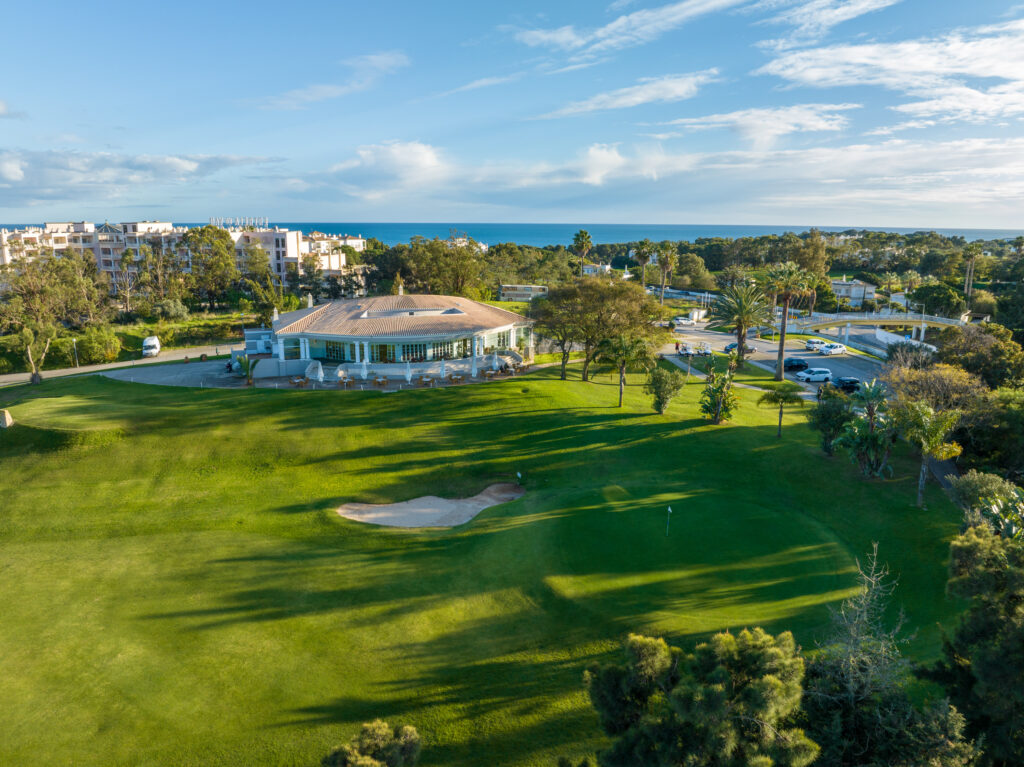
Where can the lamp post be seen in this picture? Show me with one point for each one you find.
(74, 343)
(668, 519)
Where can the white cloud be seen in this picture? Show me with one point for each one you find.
(619, 5)
(626, 31)
(483, 82)
(888, 130)
(649, 90)
(7, 114)
(951, 77)
(763, 126)
(365, 72)
(31, 177)
(381, 170)
(813, 19)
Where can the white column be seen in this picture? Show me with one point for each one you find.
(923, 326)
(366, 351)
(356, 345)
(847, 338)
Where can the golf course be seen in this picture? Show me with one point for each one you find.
(179, 588)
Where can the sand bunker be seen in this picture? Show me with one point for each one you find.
(431, 511)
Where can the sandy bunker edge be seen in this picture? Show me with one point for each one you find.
(430, 510)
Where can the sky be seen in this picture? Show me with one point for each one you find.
(899, 113)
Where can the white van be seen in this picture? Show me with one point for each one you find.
(151, 346)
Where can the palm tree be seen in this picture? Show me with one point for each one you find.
(782, 396)
(741, 307)
(624, 353)
(928, 429)
(786, 281)
(910, 280)
(890, 278)
(668, 257)
(582, 244)
(642, 253)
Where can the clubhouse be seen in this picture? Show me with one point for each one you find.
(393, 334)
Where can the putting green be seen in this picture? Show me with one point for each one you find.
(179, 589)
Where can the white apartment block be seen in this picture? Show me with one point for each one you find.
(854, 291)
(108, 242)
(329, 248)
(521, 292)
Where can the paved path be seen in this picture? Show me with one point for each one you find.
(167, 355)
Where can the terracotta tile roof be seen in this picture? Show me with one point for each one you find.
(410, 316)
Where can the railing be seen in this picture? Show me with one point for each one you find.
(900, 318)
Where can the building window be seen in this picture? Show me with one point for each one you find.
(336, 351)
(382, 353)
(442, 350)
(414, 352)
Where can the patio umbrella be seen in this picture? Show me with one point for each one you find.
(494, 360)
(315, 371)
(442, 368)
(472, 372)
(363, 371)
(408, 372)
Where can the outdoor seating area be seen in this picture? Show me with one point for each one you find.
(324, 378)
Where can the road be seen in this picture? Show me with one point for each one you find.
(864, 368)
(167, 355)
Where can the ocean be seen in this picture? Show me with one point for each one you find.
(539, 235)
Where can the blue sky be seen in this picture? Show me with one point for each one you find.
(832, 112)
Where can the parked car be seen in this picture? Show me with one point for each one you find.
(830, 349)
(848, 384)
(814, 374)
(684, 321)
(747, 348)
(813, 344)
(150, 346)
(795, 363)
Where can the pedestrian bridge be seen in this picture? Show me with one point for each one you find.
(817, 321)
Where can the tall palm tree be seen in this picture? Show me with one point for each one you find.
(890, 279)
(668, 257)
(781, 397)
(910, 279)
(741, 307)
(642, 253)
(786, 281)
(626, 353)
(927, 430)
(582, 244)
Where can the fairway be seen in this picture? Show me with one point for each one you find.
(180, 590)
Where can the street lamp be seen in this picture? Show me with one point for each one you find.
(668, 519)
(74, 343)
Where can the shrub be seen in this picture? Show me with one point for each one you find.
(378, 745)
(170, 309)
(98, 345)
(975, 486)
(664, 385)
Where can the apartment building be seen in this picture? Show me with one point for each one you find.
(856, 292)
(521, 292)
(284, 246)
(329, 248)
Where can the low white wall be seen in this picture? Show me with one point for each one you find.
(895, 338)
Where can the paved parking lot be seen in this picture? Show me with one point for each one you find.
(864, 368)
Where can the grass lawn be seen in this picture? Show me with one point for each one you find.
(178, 588)
(519, 307)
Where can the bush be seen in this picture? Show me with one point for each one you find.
(974, 486)
(170, 309)
(664, 385)
(98, 345)
(378, 745)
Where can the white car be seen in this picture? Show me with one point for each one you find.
(684, 321)
(813, 344)
(814, 374)
(829, 349)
